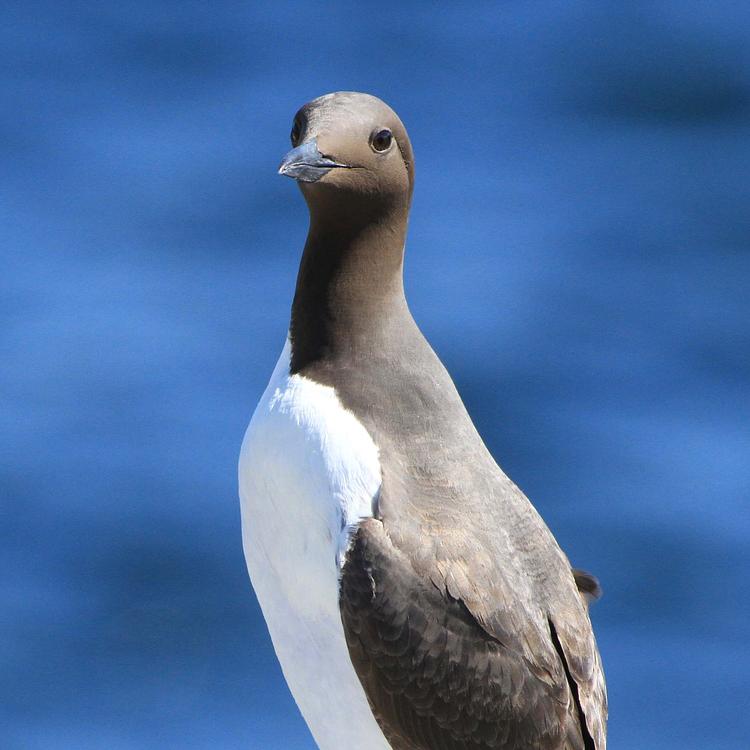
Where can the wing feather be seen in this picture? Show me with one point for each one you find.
(438, 678)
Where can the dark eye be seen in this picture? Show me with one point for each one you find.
(296, 132)
(381, 140)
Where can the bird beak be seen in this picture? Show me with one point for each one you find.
(306, 164)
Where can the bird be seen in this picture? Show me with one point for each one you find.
(415, 598)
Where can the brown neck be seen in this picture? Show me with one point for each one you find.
(350, 282)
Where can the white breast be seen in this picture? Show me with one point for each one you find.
(308, 472)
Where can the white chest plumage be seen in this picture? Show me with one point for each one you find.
(308, 472)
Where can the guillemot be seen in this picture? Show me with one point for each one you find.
(415, 598)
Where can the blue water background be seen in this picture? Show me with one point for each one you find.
(579, 256)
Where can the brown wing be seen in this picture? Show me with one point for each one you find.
(437, 679)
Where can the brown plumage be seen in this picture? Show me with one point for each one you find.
(464, 621)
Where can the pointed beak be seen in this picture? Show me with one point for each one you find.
(306, 164)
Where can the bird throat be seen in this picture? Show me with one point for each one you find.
(350, 281)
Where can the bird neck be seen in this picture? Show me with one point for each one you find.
(350, 283)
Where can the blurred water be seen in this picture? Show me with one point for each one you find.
(578, 255)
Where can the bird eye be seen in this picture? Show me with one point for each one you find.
(381, 140)
(296, 132)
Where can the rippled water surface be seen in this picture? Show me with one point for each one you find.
(579, 255)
